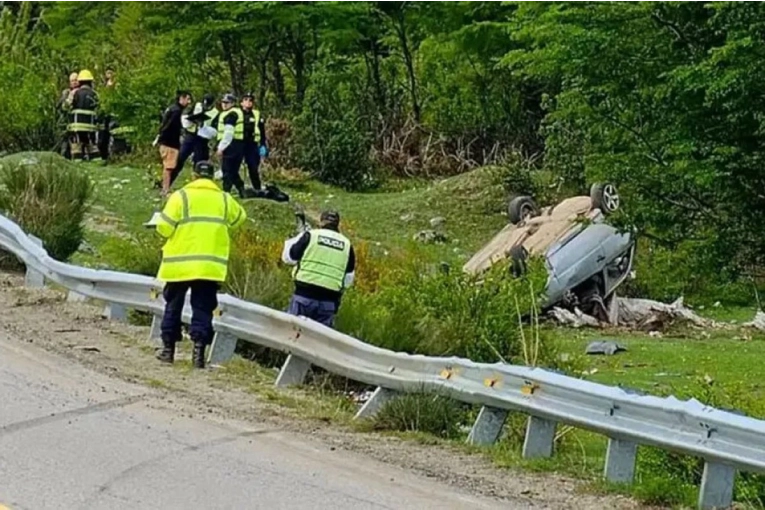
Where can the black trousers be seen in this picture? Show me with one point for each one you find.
(232, 161)
(252, 158)
(204, 301)
(194, 146)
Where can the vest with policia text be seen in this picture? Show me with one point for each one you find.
(325, 259)
(238, 128)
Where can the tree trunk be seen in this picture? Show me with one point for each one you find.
(408, 60)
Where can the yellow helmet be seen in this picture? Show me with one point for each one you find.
(85, 75)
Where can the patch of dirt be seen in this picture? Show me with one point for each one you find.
(77, 331)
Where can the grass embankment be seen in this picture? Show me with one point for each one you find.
(719, 366)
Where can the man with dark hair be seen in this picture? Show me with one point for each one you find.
(196, 221)
(169, 137)
(325, 266)
(196, 138)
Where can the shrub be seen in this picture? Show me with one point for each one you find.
(422, 412)
(141, 255)
(48, 198)
(254, 271)
(330, 139)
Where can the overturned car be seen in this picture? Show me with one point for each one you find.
(586, 258)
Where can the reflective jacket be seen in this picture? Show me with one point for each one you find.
(82, 116)
(324, 262)
(238, 127)
(196, 221)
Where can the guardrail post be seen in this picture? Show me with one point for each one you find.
(155, 333)
(620, 461)
(293, 371)
(540, 438)
(716, 486)
(115, 312)
(223, 347)
(488, 426)
(32, 278)
(375, 403)
(75, 297)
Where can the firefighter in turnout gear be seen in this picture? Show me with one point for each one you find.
(325, 266)
(83, 113)
(196, 222)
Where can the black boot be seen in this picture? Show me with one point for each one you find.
(167, 355)
(198, 358)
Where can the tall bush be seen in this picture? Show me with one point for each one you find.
(48, 198)
(331, 138)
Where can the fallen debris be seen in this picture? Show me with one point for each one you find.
(758, 322)
(607, 347)
(645, 315)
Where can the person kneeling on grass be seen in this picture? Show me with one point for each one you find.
(196, 221)
(325, 263)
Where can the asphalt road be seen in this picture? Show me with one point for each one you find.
(74, 439)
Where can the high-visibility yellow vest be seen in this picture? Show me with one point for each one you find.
(325, 259)
(196, 222)
(238, 128)
(211, 114)
(255, 119)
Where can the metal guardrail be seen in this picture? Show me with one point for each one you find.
(726, 441)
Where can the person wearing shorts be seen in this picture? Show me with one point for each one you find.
(169, 137)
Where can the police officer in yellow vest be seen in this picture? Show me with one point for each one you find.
(83, 125)
(326, 265)
(230, 135)
(196, 222)
(255, 147)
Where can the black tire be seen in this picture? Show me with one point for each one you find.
(521, 208)
(518, 256)
(604, 196)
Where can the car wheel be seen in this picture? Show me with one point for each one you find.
(521, 208)
(604, 197)
(518, 257)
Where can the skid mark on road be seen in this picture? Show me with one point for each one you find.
(82, 411)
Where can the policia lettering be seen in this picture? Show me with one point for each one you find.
(324, 262)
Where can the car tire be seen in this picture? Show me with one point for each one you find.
(604, 196)
(518, 256)
(521, 208)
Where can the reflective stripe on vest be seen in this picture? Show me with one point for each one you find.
(211, 114)
(199, 246)
(238, 128)
(82, 120)
(255, 119)
(325, 259)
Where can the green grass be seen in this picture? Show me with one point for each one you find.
(676, 363)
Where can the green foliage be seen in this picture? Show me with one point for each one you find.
(140, 255)
(422, 412)
(48, 198)
(331, 140)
